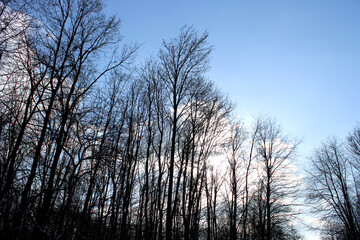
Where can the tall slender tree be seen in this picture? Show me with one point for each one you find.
(182, 61)
(275, 151)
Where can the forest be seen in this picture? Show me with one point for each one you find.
(94, 146)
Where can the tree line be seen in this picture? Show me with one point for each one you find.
(93, 147)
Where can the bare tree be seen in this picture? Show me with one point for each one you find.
(275, 152)
(333, 178)
(212, 189)
(248, 166)
(91, 151)
(58, 65)
(13, 25)
(183, 60)
(236, 177)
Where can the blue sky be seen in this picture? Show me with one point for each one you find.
(298, 61)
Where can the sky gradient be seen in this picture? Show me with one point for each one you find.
(297, 61)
